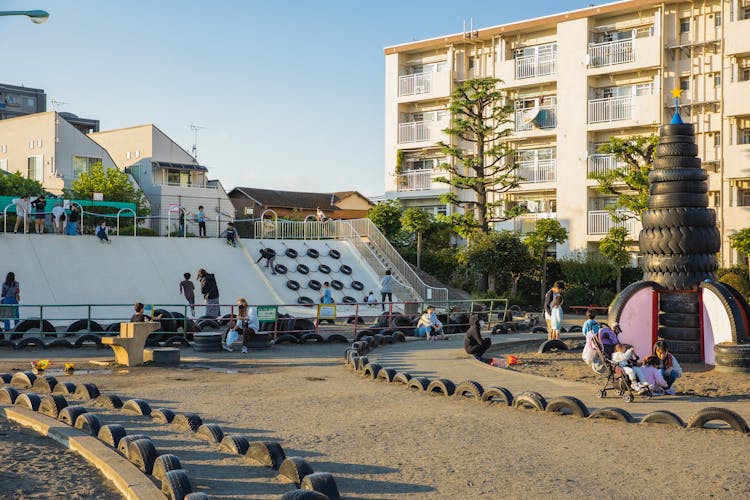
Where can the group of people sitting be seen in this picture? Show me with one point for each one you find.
(655, 374)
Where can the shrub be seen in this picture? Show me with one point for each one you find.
(578, 295)
(738, 281)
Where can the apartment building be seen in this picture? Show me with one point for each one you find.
(575, 80)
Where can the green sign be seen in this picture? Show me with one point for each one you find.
(267, 314)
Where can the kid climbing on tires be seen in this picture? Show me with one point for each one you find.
(270, 255)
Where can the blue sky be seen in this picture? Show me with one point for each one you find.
(290, 92)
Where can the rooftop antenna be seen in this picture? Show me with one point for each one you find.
(195, 129)
(56, 104)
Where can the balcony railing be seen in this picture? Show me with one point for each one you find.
(537, 170)
(609, 53)
(600, 222)
(420, 131)
(545, 118)
(420, 83)
(416, 180)
(610, 109)
(526, 223)
(602, 163)
(531, 66)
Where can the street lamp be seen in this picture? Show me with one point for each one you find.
(36, 16)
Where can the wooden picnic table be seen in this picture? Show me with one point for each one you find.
(583, 309)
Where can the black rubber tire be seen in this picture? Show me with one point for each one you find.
(499, 329)
(165, 463)
(671, 263)
(469, 389)
(357, 285)
(679, 303)
(108, 401)
(162, 415)
(303, 495)
(83, 325)
(314, 285)
(733, 419)
(399, 336)
(680, 240)
(111, 434)
(387, 374)
(208, 324)
(267, 453)
(292, 285)
(575, 329)
(567, 405)
(45, 384)
(670, 139)
(86, 339)
(337, 285)
(442, 386)
(674, 217)
(212, 433)
(663, 417)
(302, 269)
(530, 400)
(142, 453)
(334, 254)
(658, 188)
(236, 445)
(675, 148)
(305, 301)
(280, 269)
(612, 413)
(312, 253)
(678, 347)
(5, 378)
(669, 162)
(359, 363)
(325, 269)
(28, 400)
(113, 328)
(136, 407)
(355, 319)
(196, 496)
(34, 324)
(8, 395)
(291, 253)
(187, 421)
(23, 380)
(311, 337)
(167, 322)
(495, 395)
(87, 391)
(123, 446)
(88, 422)
(419, 383)
(9, 344)
(677, 174)
(65, 388)
(336, 337)
(677, 200)
(371, 371)
(678, 333)
(34, 342)
(58, 343)
(176, 341)
(539, 329)
(175, 484)
(344, 269)
(295, 469)
(322, 482)
(552, 345)
(402, 378)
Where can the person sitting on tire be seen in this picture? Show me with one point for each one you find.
(474, 344)
(270, 255)
(668, 365)
(429, 326)
(246, 323)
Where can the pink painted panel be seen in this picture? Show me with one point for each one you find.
(716, 324)
(636, 321)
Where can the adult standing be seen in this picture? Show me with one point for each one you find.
(22, 213)
(556, 291)
(386, 288)
(210, 292)
(40, 205)
(11, 295)
(58, 216)
(74, 217)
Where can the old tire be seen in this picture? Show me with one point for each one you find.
(65, 388)
(336, 337)
(679, 240)
(291, 253)
(529, 400)
(314, 285)
(677, 333)
(286, 337)
(552, 345)
(678, 187)
(280, 269)
(663, 417)
(165, 463)
(670, 162)
(303, 269)
(23, 380)
(419, 384)
(236, 445)
(344, 269)
(28, 400)
(323, 268)
(670, 263)
(292, 285)
(111, 434)
(311, 337)
(386, 374)
(322, 482)
(312, 253)
(34, 324)
(567, 405)
(51, 404)
(677, 200)
(612, 413)
(123, 446)
(469, 389)
(30, 342)
(136, 407)
(682, 148)
(88, 339)
(212, 433)
(142, 453)
(295, 469)
(45, 384)
(371, 371)
(402, 378)
(303, 495)
(733, 419)
(69, 414)
(498, 395)
(83, 325)
(8, 395)
(175, 484)
(88, 422)
(677, 174)
(267, 453)
(108, 401)
(187, 421)
(442, 386)
(357, 285)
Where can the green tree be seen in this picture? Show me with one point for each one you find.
(386, 215)
(500, 254)
(417, 221)
(16, 185)
(612, 247)
(740, 241)
(113, 184)
(547, 232)
(480, 117)
(630, 181)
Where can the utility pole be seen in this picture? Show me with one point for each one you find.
(195, 129)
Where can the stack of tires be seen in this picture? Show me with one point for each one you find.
(679, 239)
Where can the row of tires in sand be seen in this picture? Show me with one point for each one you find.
(355, 357)
(139, 448)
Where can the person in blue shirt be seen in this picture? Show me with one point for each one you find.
(327, 299)
(201, 216)
(591, 326)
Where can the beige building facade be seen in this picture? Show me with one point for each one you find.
(575, 80)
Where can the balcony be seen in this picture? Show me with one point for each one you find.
(526, 223)
(415, 84)
(534, 66)
(543, 117)
(600, 222)
(735, 98)
(417, 180)
(601, 163)
(624, 55)
(609, 53)
(735, 37)
(423, 86)
(533, 171)
(415, 132)
(610, 109)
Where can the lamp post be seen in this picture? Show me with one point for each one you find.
(36, 16)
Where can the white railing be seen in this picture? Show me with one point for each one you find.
(531, 66)
(601, 163)
(526, 223)
(610, 109)
(600, 222)
(420, 131)
(420, 83)
(537, 170)
(416, 180)
(296, 230)
(546, 118)
(609, 53)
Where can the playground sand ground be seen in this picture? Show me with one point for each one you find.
(382, 441)
(698, 379)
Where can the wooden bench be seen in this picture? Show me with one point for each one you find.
(583, 309)
(129, 345)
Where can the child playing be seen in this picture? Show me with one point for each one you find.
(371, 300)
(140, 315)
(668, 365)
(231, 233)
(555, 318)
(102, 232)
(652, 375)
(626, 359)
(327, 299)
(201, 218)
(591, 326)
(188, 290)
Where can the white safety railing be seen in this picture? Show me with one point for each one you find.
(602, 163)
(420, 131)
(546, 117)
(135, 226)
(526, 223)
(609, 53)
(416, 180)
(601, 221)
(610, 109)
(420, 83)
(532, 66)
(537, 170)
(297, 230)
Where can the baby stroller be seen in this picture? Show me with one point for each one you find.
(616, 379)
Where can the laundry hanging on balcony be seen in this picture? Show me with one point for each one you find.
(530, 115)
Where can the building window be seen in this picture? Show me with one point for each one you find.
(717, 19)
(745, 12)
(685, 83)
(35, 168)
(173, 177)
(685, 25)
(29, 102)
(137, 153)
(743, 69)
(743, 133)
(714, 198)
(717, 140)
(84, 164)
(743, 197)
(127, 155)
(4, 165)
(11, 100)
(717, 79)
(4, 148)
